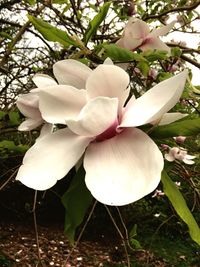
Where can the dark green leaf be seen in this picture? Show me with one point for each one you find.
(52, 33)
(14, 118)
(184, 127)
(76, 201)
(180, 206)
(95, 22)
(6, 35)
(2, 114)
(117, 53)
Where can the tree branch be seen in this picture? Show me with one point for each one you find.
(176, 9)
(191, 61)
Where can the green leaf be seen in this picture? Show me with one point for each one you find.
(180, 206)
(51, 33)
(144, 67)
(76, 201)
(176, 52)
(117, 53)
(95, 22)
(152, 55)
(31, 2)
(6, 35)
(184, 127)
(60, 2)
(164, 75)
(2, 114)
(14, 118)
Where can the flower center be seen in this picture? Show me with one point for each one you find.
(108, 133)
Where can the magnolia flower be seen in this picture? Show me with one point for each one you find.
(137, 35)
(122, 163)
(180, 154)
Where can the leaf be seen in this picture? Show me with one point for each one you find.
(6, 35)
(2, 114)
(117, 53)
(144, 67)
(152, 55)
(184, 127)
(95, 22)
(180, 206)
(14, 118)
(76, 201)
(31, 2)
(164, 75)
(60, 2)
(51, 33)
(176, 52)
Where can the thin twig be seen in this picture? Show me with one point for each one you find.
(120, 234)
(9, 179)
(35, 225)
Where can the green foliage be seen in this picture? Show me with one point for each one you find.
(144, 67)
(153, 55)
(5, 35)
(176, 52)
(117, 53)
(133, 241)
(31, 2)
(14, 118)
(51, 33)
(76, 201)
(8, 147)
(185, 127)
(179, 204)
(60, 2)
(95, 22)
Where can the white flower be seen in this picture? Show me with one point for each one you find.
(180, 154)
(122, 163)
(137, 35)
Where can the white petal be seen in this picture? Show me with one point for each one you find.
(108, 61)
(61, 102)
(97, 116)
(188, 161)
(71, 72)
(168, 118)
(154, 43)
(46, 129)
(107, 80)
(190, 157)
(169, 157)
(43, 80)
(123, 169)
(162, 30)
(30, 124)
(154, 103)
(51, 158)
(28, 105)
